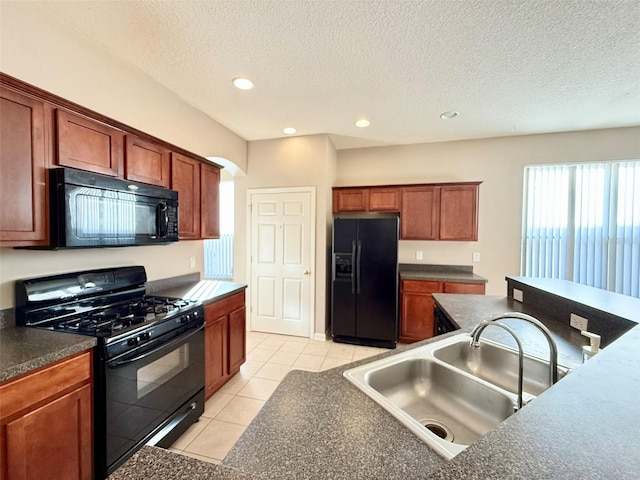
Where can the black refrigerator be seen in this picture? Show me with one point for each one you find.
(364, 282)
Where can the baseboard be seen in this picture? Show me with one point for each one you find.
(320, 336)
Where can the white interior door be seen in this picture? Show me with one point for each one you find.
(282, 236)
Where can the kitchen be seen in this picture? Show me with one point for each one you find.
(304, 160)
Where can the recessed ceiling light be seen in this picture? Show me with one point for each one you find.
(289, 130)
(242, 83)
(362, 123)
(449, 114)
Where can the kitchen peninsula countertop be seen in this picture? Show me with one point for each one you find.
(439, 273)
(317, 425)
(152, 463)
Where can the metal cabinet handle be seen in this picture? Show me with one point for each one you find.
(306, 272)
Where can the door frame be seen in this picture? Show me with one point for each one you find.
(311, 190)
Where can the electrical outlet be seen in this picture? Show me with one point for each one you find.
(418, 255)
(578, 322)
(476, 256)
(192, 262)
(517, 295)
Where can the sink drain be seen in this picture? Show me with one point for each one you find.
(438, 429)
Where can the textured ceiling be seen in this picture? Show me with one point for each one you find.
(509, 67)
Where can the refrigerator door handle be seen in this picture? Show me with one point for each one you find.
(359, 251)
(353, 261)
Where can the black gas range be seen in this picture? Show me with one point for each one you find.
(148, 363)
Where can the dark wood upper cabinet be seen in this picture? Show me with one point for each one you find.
(89, 145)
(459, 212)
(384, 199)
(420, 214)
(147, 162)
(23, 194)
(350, 200)
(210, 201)
(185, 179)
(437, 211)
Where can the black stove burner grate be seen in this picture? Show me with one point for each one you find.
(109, 320)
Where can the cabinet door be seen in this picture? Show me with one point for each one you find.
(237, 339)
(417, 319)
(459, 212)
(420, 214)
(88, 145)
(215, 356)
(23, 216)
(53, 441)
(468, 288)
(350, 200)
(185, 179)
(384, 199)
(210, 201)
(147, 162)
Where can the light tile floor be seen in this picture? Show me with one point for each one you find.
(269, 358)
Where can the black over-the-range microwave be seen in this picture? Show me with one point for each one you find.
(92, 210)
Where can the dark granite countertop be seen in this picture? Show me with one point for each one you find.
(439, 273)
(206, 291)
(318, 425)
(23, 349)
(151, 463)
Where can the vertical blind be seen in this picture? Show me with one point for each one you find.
(582, 223)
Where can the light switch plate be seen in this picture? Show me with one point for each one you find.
(517, 295)
(418, 255)
(476, 256)
(192, 262)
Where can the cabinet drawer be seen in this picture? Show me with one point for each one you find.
(19, 394)
(225, 306)
(421, 286)
(458, 287)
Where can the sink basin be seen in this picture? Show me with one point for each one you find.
(498, 365)
(451, 406)
(448, 393)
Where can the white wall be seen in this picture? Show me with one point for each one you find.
(498, 163)
(290, 162)
(41, 51)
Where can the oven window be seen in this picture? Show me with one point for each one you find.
(162, 370)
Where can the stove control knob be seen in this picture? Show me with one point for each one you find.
(132, 342)
(145, 336)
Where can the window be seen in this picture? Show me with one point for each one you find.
(218, 253)
(582, 223)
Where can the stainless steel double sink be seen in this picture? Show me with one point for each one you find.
(448, 393)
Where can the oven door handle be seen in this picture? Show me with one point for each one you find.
(116, 364)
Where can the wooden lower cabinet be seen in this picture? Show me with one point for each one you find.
(225, 341)
(417, 317)
(46, 423)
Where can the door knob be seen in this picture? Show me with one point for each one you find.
(305, 272)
